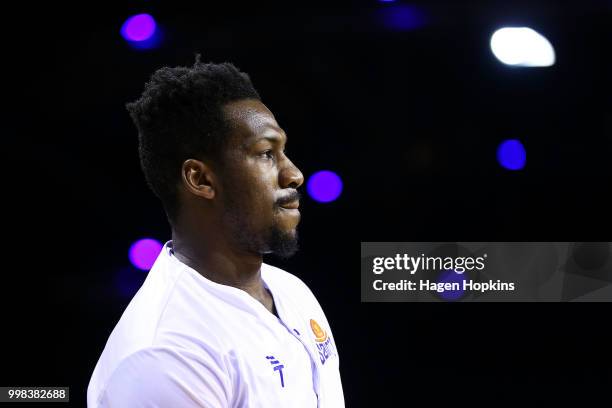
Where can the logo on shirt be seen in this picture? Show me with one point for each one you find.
(324, 343)
(277, 367)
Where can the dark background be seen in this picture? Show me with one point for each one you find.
(410, 118)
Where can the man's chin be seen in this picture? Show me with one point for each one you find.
(284, 244)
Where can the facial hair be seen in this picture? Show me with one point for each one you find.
(283, 244)
(274, 240)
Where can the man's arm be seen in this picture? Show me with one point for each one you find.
(167, 377)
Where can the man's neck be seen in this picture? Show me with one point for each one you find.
(221, 264)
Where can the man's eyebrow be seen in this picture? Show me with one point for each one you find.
(276, 137)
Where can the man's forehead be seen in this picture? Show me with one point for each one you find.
(252, 119)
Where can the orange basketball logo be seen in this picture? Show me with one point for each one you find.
(320, 335)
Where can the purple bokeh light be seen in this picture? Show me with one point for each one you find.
(140, 27)
(402, 17)
(511, 154)
(450, 276)
(324, 186)
(144, 252)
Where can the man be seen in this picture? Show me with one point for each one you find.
(212, 325)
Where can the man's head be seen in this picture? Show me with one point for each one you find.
(215, 156)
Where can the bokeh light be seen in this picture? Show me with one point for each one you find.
(511, 154)
(324, 186)
(522, 47)
(144, 252)
(450, 276)
(402, 17)
(140, 27)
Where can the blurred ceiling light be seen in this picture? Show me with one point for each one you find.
(522, 47)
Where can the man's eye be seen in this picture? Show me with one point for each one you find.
(268, 154)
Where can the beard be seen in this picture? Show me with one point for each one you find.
(283, 244)
(272, 240)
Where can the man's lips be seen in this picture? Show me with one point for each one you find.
(294, 205)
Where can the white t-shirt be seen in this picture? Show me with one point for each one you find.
(185, 341)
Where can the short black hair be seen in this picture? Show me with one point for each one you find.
(179, 116)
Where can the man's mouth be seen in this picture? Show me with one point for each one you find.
(293, 205)
(290, 202)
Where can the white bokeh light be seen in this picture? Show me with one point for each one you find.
(522, 47)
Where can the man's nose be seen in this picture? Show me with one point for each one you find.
(291, 176)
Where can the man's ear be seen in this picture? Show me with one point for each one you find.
(199, 179)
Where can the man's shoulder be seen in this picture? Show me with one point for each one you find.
(161, 375)
(162, 354)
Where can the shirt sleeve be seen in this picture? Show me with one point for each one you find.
(167, 377)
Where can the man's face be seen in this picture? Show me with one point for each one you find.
(259, 182)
